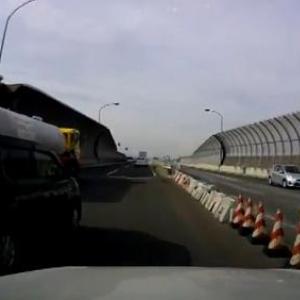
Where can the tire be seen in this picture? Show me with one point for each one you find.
(7, 252)
(75, 220)
(270, 181)
(284, 184)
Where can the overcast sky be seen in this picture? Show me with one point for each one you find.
(165, 61)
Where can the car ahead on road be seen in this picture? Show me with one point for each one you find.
(37, 197)
(141, 162)
(285, 175)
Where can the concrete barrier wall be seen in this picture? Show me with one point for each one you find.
(97, 143)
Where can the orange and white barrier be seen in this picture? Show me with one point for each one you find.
(238, 214)
(277, 246)
(182, 180)
(247, 225)
(260, 234)
(295, 260)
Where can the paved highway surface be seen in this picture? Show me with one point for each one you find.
(273, 197)
(132, 216)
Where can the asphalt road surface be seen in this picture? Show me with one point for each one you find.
(273, 197)
(133, 216)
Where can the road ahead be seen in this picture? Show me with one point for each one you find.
(131, 216)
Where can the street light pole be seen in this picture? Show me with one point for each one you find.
(7, 23)
(219, 114)
(222, 129)
(106, 105)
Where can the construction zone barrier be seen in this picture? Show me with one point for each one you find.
(295, 259)
(223, 212)
(260, 234)
(277, 247)
(247, 225)
(193, 184)
(199, 191)
(245, 216)
(215, 201)
(238, 213)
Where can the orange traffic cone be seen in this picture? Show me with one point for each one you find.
(247, 225)
(260, 234)
(276, 246)
(295, 260)
(238, 214)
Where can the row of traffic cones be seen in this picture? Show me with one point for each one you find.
(255, 229)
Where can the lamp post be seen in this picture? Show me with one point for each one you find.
(7, 23)
(106, 105)
(217, 113)
(221, 118)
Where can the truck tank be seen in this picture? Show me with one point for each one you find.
(23, 127)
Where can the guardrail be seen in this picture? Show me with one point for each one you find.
(258, 145)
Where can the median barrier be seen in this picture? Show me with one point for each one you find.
(211, 200)
(199, 191)
(224, 210)
(217, 203)
(193, 184)
(182, 180)
(214, 200)
(207, 195)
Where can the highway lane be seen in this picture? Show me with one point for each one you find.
(274, 197)
(131, 217)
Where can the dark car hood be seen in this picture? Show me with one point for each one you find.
(151, 283)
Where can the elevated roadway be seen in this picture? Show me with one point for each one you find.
(134, 216)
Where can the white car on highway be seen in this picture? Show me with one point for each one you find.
(285, 175)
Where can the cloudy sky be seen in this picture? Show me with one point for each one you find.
(165, 61)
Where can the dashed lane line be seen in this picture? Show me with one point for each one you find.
(112, 172)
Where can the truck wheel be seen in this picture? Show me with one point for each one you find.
(7, 252)
(75, 218)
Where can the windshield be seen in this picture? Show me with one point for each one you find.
(179, 120)
(292, 169)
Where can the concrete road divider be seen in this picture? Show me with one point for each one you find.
(217, 200)
(223, 211)
(205, 199)
(193, 184)
(199, 191)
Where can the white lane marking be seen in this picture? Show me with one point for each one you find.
(132, 178)
(113, 172)
(285, 224)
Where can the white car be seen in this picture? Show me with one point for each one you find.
(141, 161)
(285, 175)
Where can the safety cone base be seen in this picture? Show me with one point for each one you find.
(281, 251)
(245, 231)
(263, 239)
